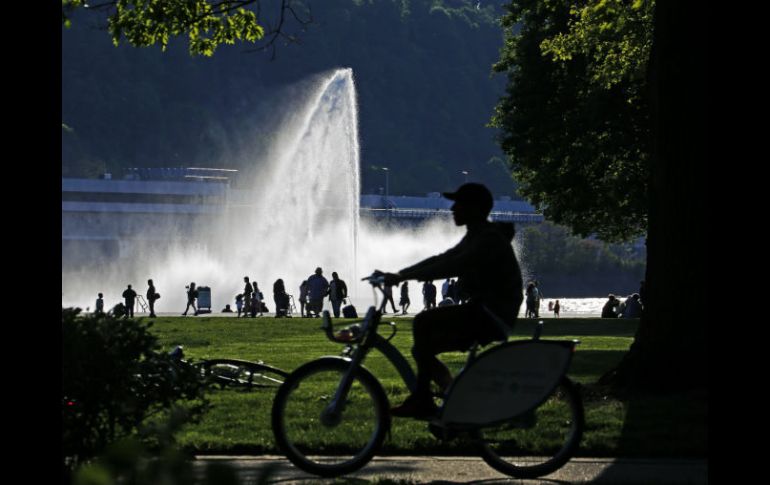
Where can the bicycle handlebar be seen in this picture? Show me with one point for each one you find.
(367, 325)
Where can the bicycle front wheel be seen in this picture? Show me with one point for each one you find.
(320, 443)
(539, 442)
(242, 373)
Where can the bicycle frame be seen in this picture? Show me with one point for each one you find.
(368, 340)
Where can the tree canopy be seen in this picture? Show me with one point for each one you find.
(207, 23)
(575, 118)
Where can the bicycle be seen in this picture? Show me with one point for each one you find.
(235, 372)
(331, 415)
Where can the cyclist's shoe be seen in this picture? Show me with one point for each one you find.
(415, 408)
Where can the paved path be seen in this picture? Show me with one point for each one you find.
(450, 470)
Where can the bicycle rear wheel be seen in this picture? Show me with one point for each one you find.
(326, 445)
(242, 373)
(539, 442)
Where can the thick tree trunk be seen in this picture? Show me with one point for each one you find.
(670, 348)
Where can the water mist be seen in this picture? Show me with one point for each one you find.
(303, 213)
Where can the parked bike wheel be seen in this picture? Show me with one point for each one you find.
(242, 373)
(537, 444)
(326, 445)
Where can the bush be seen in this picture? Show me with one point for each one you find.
(113, 379)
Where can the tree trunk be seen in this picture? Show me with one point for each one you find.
(670, 347)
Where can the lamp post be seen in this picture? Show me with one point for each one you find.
(385, 169)
(465, 173)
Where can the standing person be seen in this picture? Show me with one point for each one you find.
(152, 295)
(556, 309)
(281, 298)
(450, 293)
(302, 298)
(445, 290)
(538, 296)
(99, 307)
(429, 295)
(490, 275)
(530, 302)
(239, 303)
(388, 297)
(130, 297)
(192, 295)
(246, 296)
(338, 293)
(317, 289)
(256, 300)
(404, 301)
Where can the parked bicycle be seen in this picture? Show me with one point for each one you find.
(236, 373)
(514, 402)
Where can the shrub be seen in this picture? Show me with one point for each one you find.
(113, 379)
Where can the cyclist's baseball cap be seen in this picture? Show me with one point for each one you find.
(473, 194)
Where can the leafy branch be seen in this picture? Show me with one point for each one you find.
(207, 23)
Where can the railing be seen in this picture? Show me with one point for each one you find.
(429, 213)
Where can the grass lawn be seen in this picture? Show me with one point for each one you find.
(239, 421)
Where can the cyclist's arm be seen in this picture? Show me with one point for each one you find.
(453, 262)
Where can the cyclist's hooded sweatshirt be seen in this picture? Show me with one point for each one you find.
(486, 266)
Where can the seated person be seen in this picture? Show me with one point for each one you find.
(610, 308)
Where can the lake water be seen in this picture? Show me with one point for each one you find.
(571, 307)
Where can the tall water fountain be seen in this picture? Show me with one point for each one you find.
(303, 213)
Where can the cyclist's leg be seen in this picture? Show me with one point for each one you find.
(444, 329)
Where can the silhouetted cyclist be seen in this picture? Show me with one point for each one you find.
(490, 278)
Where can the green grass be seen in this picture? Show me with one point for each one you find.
(239, 421)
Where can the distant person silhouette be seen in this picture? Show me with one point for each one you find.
(239, 303)
(538, 295)
(192, 295)
(556, 309)
(227, 309)
(246, 296)
(429, 295)
(99, 306)
(152, 295)
(632, 309)
(452, 292)
(404, 301)
(388, 297)
(530, 301)
(318, 288)
(281, 298)
(302, 297)
(489, 275)
(130, 298)
(445, 289)
(610, 308)
(256, 300)
(338, 293)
